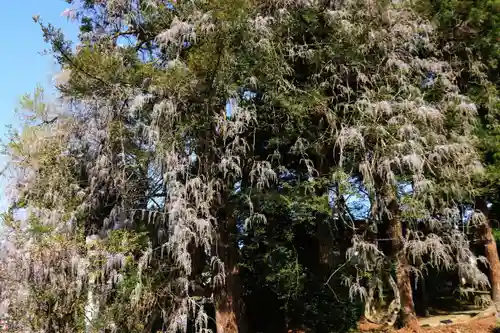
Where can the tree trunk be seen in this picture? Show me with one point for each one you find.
(491, 253)
(403, 281)
(425, 297)
(404, 285)
(229, 307)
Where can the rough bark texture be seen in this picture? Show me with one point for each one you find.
(403, 281)
(408, 316)
(491, 253)
(229, 307)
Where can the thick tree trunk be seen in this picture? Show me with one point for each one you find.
(229, 307)
(491, 253)
(404, 285)
(403, 281)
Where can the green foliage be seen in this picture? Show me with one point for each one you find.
(496, 234)
(279, 264)
(140, 189)
(470, 36)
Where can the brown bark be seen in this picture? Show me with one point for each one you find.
(229, 307)
(404, 285)
(491, 252)
(403, 281)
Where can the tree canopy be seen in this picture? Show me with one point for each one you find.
(254, 166)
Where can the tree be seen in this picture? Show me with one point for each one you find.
(469, 34)
(326, 100)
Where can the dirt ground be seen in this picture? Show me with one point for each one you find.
(482, 325)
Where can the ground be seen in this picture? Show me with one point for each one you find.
(474, 325)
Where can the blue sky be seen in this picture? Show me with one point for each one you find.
(22, 67)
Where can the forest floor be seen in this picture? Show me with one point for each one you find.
(459, 324)
(482, 325)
